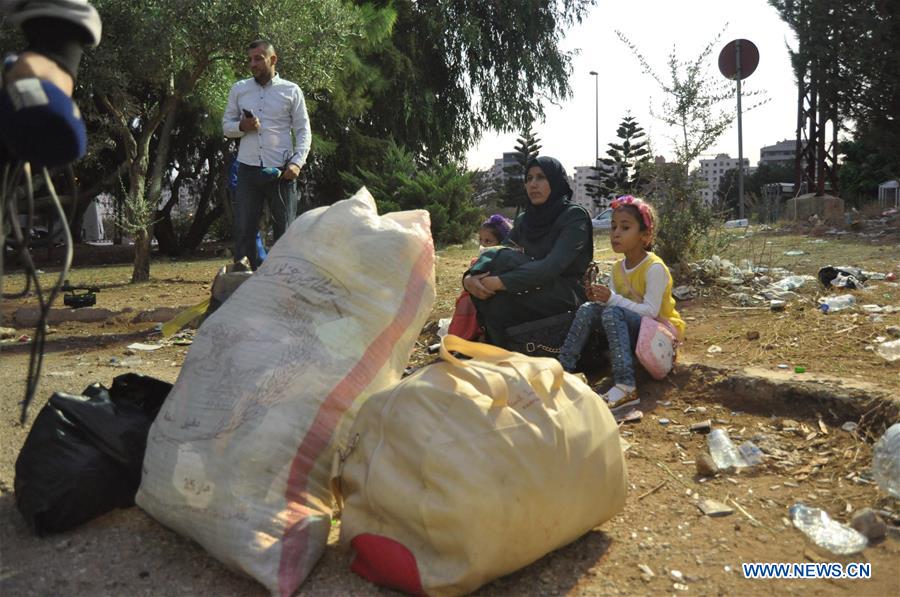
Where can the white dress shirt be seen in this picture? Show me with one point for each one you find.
(281, 109)
(657, 279)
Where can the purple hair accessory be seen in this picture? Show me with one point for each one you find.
(500, 224)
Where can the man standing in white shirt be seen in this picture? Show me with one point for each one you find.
(268, 114)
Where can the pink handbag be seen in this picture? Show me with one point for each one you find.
(656, 346)
(657, 341)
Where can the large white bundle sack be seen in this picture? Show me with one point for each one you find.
(239, 457)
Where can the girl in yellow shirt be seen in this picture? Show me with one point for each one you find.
(641, 287)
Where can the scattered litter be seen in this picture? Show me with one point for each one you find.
(886, 461)
(849, 426)
(23, 338)
(783, 366)
(714, 349)
(851, 278)
(646, 570)
(443, 327)
(632, 416)
(741, 223)
(743, 299)
(790, 282)
(825, 532)
(889, 351)
(832, 304)
(751, 453)
(664, 421)
(144, 347)
(434, 348)
(129, 362)
(701, 427)
(676, 575)
(794, 253)
(683, 293)
(60, 373)
(777, 305)
(724, 453)
(680, 587)
(714, 509)
(799, 369)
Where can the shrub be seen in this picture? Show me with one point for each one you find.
(402, 184)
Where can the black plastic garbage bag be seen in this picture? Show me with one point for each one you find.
(844, 276)
(83, 455)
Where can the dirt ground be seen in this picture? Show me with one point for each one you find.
(127, 552)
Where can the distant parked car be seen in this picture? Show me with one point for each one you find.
(603, 221)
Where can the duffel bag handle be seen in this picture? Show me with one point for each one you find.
(476, 350)
(494, 354)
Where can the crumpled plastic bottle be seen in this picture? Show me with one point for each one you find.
(886, 461)
(889, 350)
(836, 303)
(824, 532)
(723, 451)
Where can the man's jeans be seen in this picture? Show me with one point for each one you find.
(253, 187)
(621, 328)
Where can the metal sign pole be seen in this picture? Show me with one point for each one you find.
(737, 52)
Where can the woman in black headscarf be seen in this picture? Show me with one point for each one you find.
(556, 236)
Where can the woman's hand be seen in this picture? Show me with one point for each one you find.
(599, 293)
(474, 285)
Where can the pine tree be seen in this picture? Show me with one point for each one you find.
(527, 147)
(620, 173)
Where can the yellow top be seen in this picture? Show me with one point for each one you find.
(638, 281)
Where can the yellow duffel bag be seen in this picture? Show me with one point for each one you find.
(468, 470)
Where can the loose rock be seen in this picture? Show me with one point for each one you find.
(706, 466)
(870, 524)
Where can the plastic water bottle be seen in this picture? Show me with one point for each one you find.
(886, 461)
(837, 303)
(889, 350)
(826, 533)
(723, 451)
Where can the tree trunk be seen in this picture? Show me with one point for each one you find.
(199, 228)
(205, 216)
(163, 228)
(141, 271)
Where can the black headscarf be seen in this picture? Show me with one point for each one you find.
(538, 219)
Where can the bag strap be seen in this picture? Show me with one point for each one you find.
(476, 350)
(494, 355)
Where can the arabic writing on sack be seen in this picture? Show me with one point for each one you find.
(252, 353)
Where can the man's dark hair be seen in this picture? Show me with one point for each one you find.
(261, 43)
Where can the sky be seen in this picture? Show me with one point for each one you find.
(655, 26)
